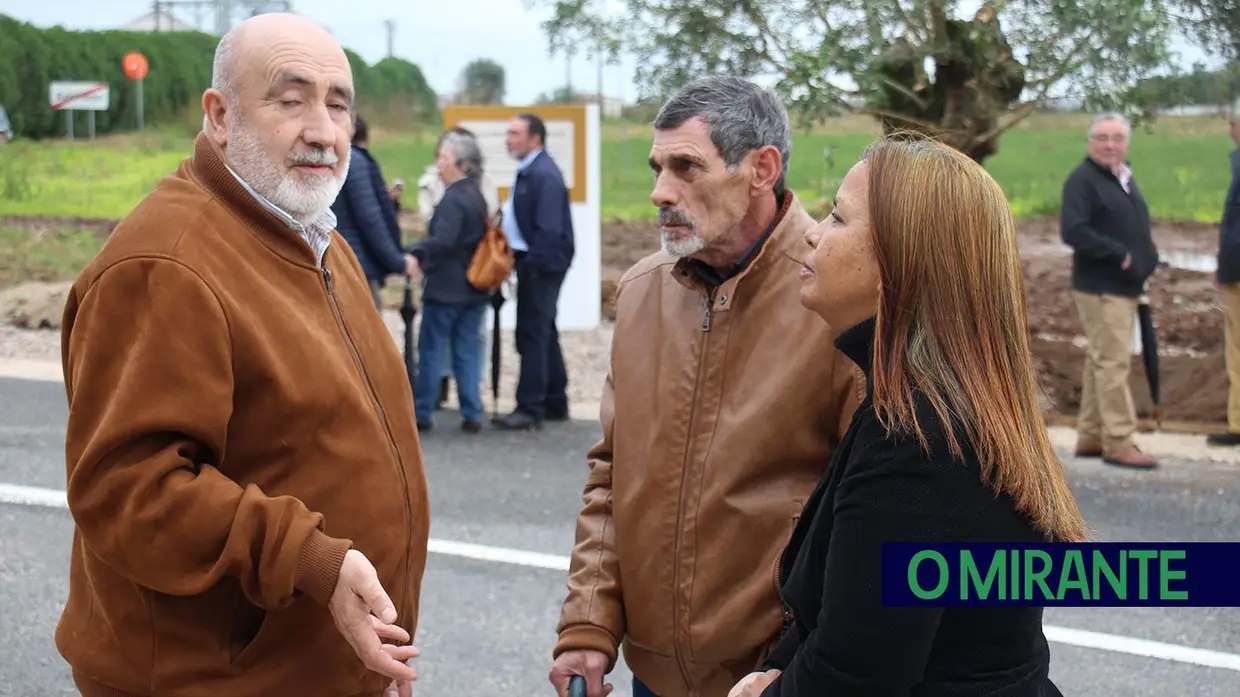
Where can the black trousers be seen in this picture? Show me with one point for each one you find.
(542, 387)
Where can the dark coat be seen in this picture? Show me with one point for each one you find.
(1103, 224)
(1229, 230)
(544, 215)
(455, 229)
(367, 219)
(879, 488)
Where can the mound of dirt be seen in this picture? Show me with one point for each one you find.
(1183, 302)
(34, 305)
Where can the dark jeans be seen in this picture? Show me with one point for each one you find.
(543, 384)
(640, 689)
(455, 326)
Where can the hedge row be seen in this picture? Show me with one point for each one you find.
(180, 69)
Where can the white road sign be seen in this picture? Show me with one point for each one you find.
(79, 96)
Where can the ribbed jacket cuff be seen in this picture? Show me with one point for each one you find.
(587, 637)
(318, 566)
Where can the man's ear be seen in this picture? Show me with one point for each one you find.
(767, 166)
(215, 106)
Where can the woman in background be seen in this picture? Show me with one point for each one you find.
(452, 309)
(430, 191)
(918, 268)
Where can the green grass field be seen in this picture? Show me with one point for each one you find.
(1181, 165)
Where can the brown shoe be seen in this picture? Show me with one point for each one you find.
(1129, 455)
(1088, 448)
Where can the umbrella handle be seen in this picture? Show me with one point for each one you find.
(577, 686)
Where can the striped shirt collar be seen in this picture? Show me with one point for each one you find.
(317, 234)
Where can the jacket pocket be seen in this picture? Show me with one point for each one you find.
(248, 631)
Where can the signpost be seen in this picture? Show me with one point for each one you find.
(69, 97)
(136, 69)
(574, 141)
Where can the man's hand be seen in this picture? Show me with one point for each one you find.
(591, 665)
(358, 594)
(399, 688)
(753, 684)
(412, 267)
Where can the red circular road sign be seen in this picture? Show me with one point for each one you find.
(135, 65)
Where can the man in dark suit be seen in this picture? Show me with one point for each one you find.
(366, 217)
(539, 226)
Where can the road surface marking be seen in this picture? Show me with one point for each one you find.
(54, 498)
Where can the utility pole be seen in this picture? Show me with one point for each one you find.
(390, 25)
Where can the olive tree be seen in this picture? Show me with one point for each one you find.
(965, 74)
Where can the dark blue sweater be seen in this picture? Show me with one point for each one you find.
(366, 218)
(1229, 230)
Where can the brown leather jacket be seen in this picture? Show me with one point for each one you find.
(721, 408)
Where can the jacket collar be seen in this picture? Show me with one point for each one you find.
(785, 232)
(857, 343)
(275, 227)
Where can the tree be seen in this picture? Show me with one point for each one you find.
(914, 65)
(1215, 24)
(482, 82)
(560, 95)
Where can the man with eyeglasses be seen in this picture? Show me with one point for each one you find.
(1104, 218)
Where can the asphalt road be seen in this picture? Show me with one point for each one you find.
(488, 626)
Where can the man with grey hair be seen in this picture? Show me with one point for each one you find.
(724, 403)
(430, 191)
(452, 308)
(243, 464)
(1105, 220)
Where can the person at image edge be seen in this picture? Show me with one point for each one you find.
(243, 466)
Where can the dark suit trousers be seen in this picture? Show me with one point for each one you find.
(543, 383)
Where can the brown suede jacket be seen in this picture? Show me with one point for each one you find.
(238, 419)
(722, 406)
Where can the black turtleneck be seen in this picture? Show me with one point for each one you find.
(882, 488)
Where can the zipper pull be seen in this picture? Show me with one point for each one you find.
(710, 305)
(327, 279)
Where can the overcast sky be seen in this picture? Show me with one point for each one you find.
(441, 36)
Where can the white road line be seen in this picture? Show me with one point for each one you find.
(32, 496)
(1115, 643)
(1141, 647)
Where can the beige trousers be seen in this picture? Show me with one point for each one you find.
(1229, 294)
(1107, 414)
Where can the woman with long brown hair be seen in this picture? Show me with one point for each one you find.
(918, 269)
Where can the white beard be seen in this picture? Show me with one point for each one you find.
(304, 201)
(683, 247)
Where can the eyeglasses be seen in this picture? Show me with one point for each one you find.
(1103, 137)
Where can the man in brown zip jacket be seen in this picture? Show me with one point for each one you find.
(244, 470)
(724, 402)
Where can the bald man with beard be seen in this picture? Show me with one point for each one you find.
(243, 465)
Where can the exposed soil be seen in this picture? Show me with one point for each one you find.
(1187, 321)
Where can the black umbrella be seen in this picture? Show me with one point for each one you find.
(497, 301)
(1149, 352)
(408, 312)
